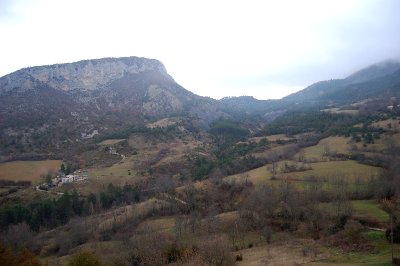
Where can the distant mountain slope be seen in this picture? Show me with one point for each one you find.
(381, 87)
(246, 105)
(378, 80)
(375, 71)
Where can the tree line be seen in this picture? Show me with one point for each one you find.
(50, 213)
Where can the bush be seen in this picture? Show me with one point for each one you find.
(216, 252)
(353, 231)
(396, 234)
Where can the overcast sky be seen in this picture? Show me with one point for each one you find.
(266, 49)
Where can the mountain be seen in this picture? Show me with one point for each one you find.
(51, 111)
(47, 109)
(378, 80)
(375, 71)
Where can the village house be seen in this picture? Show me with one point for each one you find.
(67, 179)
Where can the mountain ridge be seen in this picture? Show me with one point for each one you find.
(48, 109)
(320, 91)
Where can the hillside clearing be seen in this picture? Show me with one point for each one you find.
(164, 224)
(388, 124)
(348, 170)
(163, 123)
(369, 209)
(327, 145)
(364, 209)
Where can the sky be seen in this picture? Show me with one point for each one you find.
(266, 49)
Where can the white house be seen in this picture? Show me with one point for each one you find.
(68, 179)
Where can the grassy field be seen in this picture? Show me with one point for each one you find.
(367, 209)
(380, 256)
(256, 176)
(330, 144)
(119, 170)
(164, 224)
(117, 174)
(348, 170)
(28, 170)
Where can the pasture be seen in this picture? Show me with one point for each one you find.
(350, 171)
(369, 209)
(380, 255)
(28, 170)
(327, 145)
(363, 209)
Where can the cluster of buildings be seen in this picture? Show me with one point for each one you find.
(77, 176)
(62, 179)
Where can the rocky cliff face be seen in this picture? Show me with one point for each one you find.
(82, 75)
(47, 109)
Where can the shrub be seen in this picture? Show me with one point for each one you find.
(216, 252)
(396, 234)
(267, 234)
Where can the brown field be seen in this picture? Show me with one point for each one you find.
(28, 170)
(164, 224)
(395, 124)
